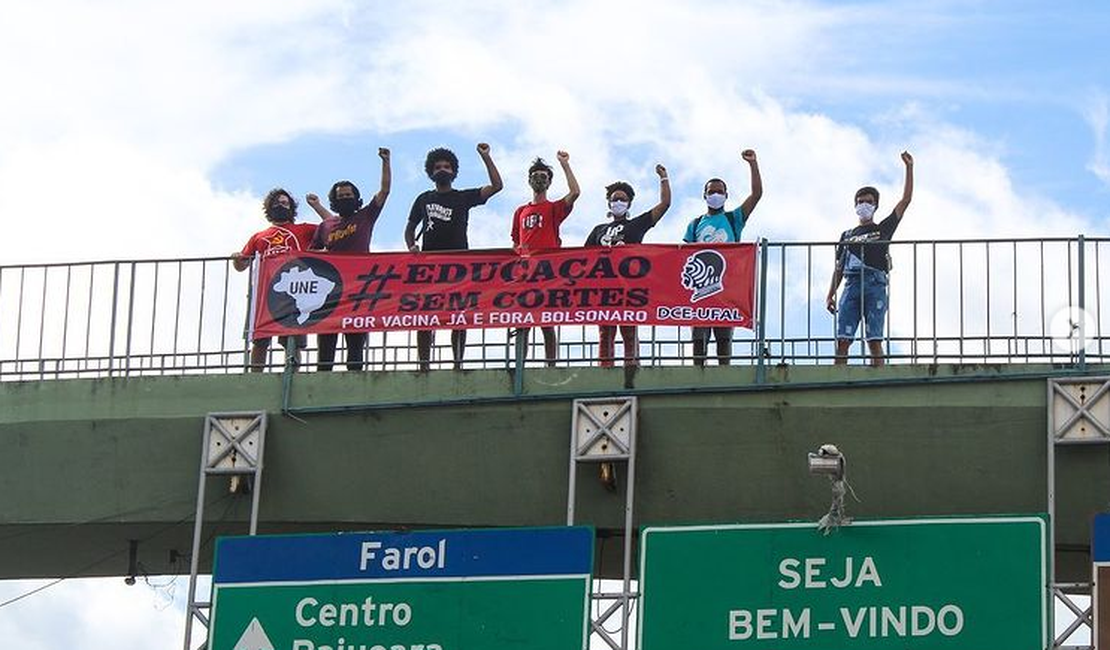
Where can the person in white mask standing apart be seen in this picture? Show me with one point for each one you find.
(719, 226)
(863, 261)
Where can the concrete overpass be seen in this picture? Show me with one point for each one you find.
(89, 464)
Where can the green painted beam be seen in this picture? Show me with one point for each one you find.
(89, 464)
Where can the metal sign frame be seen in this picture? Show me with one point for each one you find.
(232, 445)
(604, 431)
(1075, 417)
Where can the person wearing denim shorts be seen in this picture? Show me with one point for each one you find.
(863, 262)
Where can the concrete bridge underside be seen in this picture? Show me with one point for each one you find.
(87, 465)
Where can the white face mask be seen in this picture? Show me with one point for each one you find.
(715, 201)
(618, 208)
(865, 211)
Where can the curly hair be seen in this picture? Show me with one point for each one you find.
(271, 196)
(438, 154)
(335, 188)
(620, 185)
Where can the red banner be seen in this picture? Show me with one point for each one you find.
(710, 285)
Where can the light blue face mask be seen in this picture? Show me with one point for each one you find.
(618, 208)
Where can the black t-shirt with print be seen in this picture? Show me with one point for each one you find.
(617, 232)
(445, 217)
(857, 242)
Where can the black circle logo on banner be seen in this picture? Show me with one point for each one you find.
(304, 291)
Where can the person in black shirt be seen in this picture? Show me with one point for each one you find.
(863, 260)
(617, 231)
(442, 215)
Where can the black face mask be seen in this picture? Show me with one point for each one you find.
(279, 213)
(347, 207)
(442, 177)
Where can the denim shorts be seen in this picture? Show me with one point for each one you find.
(864, 292)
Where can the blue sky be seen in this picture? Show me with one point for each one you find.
(160, 127)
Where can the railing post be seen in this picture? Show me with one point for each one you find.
(112, 327)
(521, 353)
(1080, 261)
(761, 315)
(130, 321)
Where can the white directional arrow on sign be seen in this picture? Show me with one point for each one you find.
(254, 638)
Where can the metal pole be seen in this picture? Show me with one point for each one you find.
(1081, 262)
(761, 317)
(194, 560)
(1051, 480)
(256, 489)
(521, 352)
(572, 474)
(130, 321)
(112, 328)
(629, 530)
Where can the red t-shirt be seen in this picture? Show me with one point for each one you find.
(536, 225)
(278, 239)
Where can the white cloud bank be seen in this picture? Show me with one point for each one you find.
(125, 108)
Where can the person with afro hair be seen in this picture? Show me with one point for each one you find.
(442, 215)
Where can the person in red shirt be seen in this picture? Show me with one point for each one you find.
(283, 236)
(536, 227)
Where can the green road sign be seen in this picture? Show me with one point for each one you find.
(523, 589)
(960, 584)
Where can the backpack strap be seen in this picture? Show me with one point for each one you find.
(732, 224)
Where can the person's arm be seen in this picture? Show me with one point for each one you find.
(387, 178)
(515, 230)
(837, 276)
(907, 189)
(757, 183)
(314, 202)
(830, 300)
(242, 259)
(410, 227)
(664, 195)
(572, 182)
(495, 184)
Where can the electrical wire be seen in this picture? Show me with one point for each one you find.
(109, 556)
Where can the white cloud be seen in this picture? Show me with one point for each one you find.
(92, 613)
(134, 105)
(1097, 114)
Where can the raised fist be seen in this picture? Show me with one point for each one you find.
(311, 198)
(907, 158)
(562, 156)
(383, 153)
(661, 170)
(483, 148)
(748, 155)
